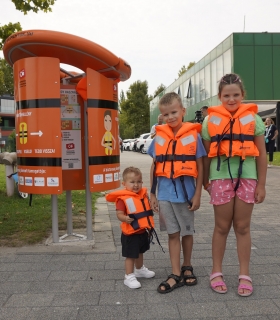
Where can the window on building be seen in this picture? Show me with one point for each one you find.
(196, 88)
(186, 88)
(214, 89)
(191, 92)
(202, 84)
(220, 68)
(227, 61)
(207, 76)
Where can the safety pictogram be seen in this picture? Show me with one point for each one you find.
(23, 133)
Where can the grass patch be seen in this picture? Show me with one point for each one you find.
(22, 225)
(276, 158)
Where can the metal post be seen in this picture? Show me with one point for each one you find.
(69, 212)
(88, 194)
(54, 218)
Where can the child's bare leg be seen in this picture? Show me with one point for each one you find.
(174, 244)
(187, 246)
(129, 265)
(223, 222)
(241, 225)
(139, 261)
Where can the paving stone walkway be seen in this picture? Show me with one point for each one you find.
(84, 280)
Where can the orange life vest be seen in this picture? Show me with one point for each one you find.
(137, 207)
(176, 156)
(232, 135)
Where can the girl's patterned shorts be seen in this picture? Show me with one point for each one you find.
(222, 190)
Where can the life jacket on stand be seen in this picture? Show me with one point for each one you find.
(232, 134)
(137, 207)
(176, 155)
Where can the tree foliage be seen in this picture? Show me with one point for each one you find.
(159, 89)
(184, 68)
(11, 147)
(24, 6)
(33, 5)
(6, 78)
(7, 30)
(191, 64)
(182, 71)
(135, 110)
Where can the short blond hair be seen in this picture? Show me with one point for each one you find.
(169, 97)
(129, 170)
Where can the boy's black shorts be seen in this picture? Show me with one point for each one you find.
(134, 244)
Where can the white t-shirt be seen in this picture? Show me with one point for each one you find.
(153, 129)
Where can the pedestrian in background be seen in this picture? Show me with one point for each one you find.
(271, 133)
(153, 129)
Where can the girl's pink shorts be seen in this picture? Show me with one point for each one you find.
(222, 190)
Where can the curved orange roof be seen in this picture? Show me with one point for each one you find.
(68, 48)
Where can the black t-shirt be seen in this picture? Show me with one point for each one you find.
(270, 131)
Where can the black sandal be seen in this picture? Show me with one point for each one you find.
(187, 277)
(166, 285)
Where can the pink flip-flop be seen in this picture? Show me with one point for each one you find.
(245, 286)
(218, 283)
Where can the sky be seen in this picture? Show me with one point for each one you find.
(156, 37)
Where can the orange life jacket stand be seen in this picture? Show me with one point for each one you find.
(61, 118)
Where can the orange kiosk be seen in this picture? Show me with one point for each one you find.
(66, 123)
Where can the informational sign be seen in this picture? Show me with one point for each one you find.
(71, 130)
(38, 125)
(103, 132)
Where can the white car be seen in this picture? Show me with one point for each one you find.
(140, 141)
(126, 144)
(147, 143)
(131, 144)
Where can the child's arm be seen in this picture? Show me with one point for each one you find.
(261, 161)
(153, 198)
(197, 195)
(206, 164)
(123, 217)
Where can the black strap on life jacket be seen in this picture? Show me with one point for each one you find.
(241, 161)
(231, 137)
(175, 157)
(151, 231)
(240, 137)
(185, 190)
(154, 182)
(137, 216)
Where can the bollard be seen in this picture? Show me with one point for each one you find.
(9, 159)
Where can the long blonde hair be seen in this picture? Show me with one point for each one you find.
(272, 122)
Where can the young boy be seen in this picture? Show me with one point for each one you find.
(177, 151)
(135, 236)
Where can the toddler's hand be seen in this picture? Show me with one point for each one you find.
(128, 219)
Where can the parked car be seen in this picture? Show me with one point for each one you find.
(131, 145)
(140, 141)
(147, 143)
(126, 144)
